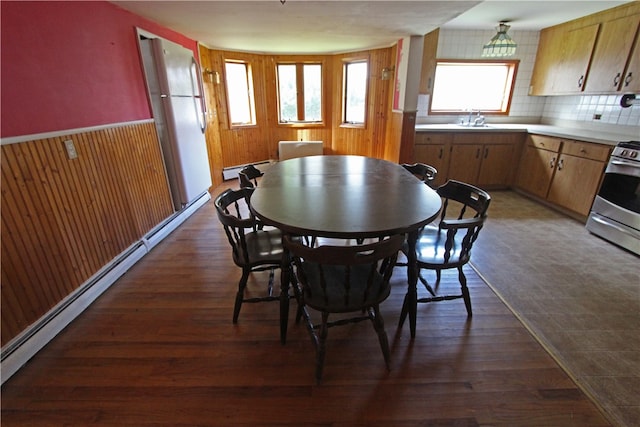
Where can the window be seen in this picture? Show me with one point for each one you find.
(461, 86)
(240, 93)
(355, 92)
(300, 93)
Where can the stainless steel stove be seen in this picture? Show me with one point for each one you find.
(615, 214)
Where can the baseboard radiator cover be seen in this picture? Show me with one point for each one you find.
(15, 354)
(231, 172)
(158, 234)
(293, 149)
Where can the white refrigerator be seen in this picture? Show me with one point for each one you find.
(177, 97)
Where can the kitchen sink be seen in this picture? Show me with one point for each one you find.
(472, 125)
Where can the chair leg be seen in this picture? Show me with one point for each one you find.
(465, 291)
(404, 311)
(272, 276)
(378, 325)
(322, 347)
(426, 284)
(240, 295)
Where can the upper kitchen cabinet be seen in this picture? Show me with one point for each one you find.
(577, 46)
(562, 61)
(615, 59)
(594, 54)
(429, 55)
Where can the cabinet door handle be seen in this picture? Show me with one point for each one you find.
(552, 163)
(616, 80)
(580, 81)
(560, 164)
(486, 152)
(441, 152)
(478, 153)
(628, 79)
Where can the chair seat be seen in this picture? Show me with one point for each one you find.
(263, 247)
(430, 248)
(337, 300)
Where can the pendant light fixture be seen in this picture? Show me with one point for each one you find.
(501, 44)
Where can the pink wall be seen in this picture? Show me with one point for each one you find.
(68, 65)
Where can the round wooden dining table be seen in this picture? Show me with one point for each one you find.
(348, 197)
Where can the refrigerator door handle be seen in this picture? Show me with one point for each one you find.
(201, 109)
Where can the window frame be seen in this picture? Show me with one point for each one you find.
(512, 75)
(250, 94)
(343, 120)
(300, 93)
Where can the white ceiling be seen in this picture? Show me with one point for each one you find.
(306, 26)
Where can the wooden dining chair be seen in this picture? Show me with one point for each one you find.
(248, 176)
(349, 282)
(447, 243)
(425, 173)
(253, 248)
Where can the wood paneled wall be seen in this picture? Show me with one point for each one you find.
(64, 219)
(237, 146)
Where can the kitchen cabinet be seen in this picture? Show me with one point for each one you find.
(537, 164)
(577, 47)
(589, 54)
(547, 60)
(433, 149)
(616, 47)
(564, 172)
(578, 173)
(563, 59)
(429, 55)
(484, 159)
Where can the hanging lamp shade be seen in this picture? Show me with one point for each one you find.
(501, 44)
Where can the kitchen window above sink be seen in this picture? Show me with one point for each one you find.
(464, 87)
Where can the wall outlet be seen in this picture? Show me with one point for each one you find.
(597, 116)
(71, 149)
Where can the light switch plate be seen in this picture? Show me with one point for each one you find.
(71, 149)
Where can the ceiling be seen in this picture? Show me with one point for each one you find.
(306, 26)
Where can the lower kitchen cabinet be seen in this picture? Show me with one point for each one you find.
(497, 165)
(564, 172)
(485, 159)
(433, 149)
(537, 165)
(465, 162)
(578, 174)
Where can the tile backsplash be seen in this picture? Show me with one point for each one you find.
(595, 109)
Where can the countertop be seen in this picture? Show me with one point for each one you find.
(588, 135)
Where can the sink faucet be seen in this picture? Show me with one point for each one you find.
(479, 121)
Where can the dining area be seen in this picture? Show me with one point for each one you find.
(337, 225)
(162, 347)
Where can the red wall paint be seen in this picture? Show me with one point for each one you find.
(68, 65)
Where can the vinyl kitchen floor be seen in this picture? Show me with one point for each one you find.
(577, 293)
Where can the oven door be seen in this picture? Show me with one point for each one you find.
(621, 186)
(615, 214)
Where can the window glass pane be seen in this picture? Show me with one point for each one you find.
(355, 92)
(238, 90)
(312, 92)
(471, 86)
(287, 92)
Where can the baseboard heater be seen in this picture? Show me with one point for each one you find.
(232, 171)
(23, 347)
(293, 149)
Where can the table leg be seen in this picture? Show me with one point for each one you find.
(285, 275)
(411, 299)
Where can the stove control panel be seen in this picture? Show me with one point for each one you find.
(627, 150)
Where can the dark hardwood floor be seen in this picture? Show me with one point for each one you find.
(159, 348)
